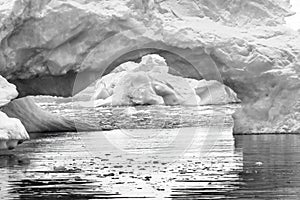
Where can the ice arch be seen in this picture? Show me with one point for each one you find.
(188, 63)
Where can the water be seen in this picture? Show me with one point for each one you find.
(143, 117)
(183, 160)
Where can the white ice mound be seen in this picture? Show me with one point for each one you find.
(149, 83)
(7, 91)
(214, 92)
(12, 132)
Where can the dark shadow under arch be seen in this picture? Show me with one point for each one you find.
(179, 66)
(183, 62)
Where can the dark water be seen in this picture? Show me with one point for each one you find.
(184, 162)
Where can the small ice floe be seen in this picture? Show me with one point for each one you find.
(130, 111)
(134, 111)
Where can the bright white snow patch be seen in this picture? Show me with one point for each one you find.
(294, 21)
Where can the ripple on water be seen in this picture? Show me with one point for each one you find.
(61, 165)
(139, 163)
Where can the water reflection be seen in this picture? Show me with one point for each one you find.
(58, 166)
(11, 160)
(271, 166)
(61, 167)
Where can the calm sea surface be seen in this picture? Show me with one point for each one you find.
(151, 152)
